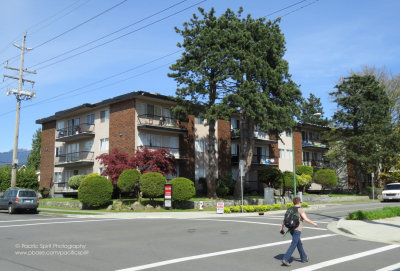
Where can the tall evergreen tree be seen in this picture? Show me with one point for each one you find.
(265, 95)
(311, 106)
(33, 160)
(202, 73)
(364, 127)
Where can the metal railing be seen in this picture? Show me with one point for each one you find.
(314, 163)
(235, 133)
(313, 144)
(72, 157)
(154, 120)
(83, 128)
(257, 159)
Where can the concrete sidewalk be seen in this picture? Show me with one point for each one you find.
(382, 230)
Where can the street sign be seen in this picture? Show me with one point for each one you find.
(168, 195)
(220, 207)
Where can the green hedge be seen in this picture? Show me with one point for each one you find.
(152, 184)
(182, 189)
(301, 169)
(75, 181)
(95, 191)
(260, 208)
(326, 177)
(128, 179)
(375, 214)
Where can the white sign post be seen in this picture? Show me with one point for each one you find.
(241, 167)
(372, 181)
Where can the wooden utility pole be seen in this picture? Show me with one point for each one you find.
(20, 94)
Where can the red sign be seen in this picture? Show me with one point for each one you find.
(168, 191)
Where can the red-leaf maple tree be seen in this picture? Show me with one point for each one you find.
(145, 160)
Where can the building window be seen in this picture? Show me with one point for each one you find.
(104, 115)
(59, 151)
(90, 119)
(199, 145)
(199, 172)
(57, 177)
(104, 144)
(288, 133)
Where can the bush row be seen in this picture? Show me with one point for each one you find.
(260, 208)
(375, 214)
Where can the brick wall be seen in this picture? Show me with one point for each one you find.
(274, 150)
(186, 149)
(122, 126)
(47, 154)
(224, 148)
(298, 148)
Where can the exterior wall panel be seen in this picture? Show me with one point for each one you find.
(47, 154)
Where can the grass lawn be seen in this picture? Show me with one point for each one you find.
(374, 214)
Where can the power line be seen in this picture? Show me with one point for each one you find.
(79, 25)
(96, 82)
(110, 34)
(58, 18)
(299, 8)
(285, 8)
(131, 32)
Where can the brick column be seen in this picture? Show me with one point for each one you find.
(298, 148)
(186, 150)
(224, 148)
(122, 126)
(47, 154)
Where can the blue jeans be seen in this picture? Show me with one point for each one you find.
(296, 242)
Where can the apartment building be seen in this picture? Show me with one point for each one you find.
(73, 138)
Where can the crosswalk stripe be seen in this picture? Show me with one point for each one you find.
(213, 254)
(346, 258)
(393, 267)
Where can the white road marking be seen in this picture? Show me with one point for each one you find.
(213, 254)
(59, 222)
(281, 218)
(346, 258)
(393, 267)
(254, 222)
(23, 220)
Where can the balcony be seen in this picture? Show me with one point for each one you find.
(313, 145)
(75, 132)
(258, 136)
(176, 152)
(314, 163)
(258, 159)
(83, 158)
(63, 187)
(159, 123)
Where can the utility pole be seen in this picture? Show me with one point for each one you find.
(20, 94)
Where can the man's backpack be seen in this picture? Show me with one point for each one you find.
(292, 219)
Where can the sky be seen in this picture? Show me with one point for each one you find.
(78, 59)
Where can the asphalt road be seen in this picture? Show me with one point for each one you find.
(48, 242)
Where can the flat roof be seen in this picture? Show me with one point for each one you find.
(127, 96)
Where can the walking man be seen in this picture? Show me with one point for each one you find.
(296, 233)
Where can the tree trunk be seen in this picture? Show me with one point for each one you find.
(246, 150)
(212, 161)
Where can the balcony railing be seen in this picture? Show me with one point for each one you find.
(235, 133)
(63, 187)
(174, 151)
(257, 159)
(158, 121)
(314, 163)
(314, 144)
(83, 128)
(75, 157)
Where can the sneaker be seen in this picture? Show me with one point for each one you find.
(285, 263)
(305, 260)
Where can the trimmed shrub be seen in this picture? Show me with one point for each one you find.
(271, 176)
(326, 177)
(128, 179)
(303, 179)
(227, 210)
(95, 191)
(304, 170)
(152, 184)
(75, 181)
(182, 189)
(288, 179)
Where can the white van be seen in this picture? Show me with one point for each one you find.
(391, 192)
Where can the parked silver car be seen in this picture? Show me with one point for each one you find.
(391, 192)
(19, 199)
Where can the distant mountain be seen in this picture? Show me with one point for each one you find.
(6, 157)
